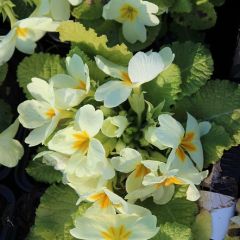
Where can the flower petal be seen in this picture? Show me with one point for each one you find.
(192, 193)
(167, 56)
(110, 68)
(26, 45)
(113, 93)
(204, 128)
(88, 119)
(166, 194)
(145, 67)
(41, 90)
(60, 10)
(170, 132)
(127, 161)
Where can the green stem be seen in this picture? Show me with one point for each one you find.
(10, 15)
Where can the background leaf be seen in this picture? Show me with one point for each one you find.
(5, 115)
(91, 44)
(196, 64)
(41, 65)
(3, 72)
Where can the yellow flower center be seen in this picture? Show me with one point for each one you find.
(82, 141)
(102, 198)
(187, 145)
(141, 171)
(169, 181)
(50, 113)
(81, 85)
(128, 12)
(126, 79)
(22, 32)
(116, 233)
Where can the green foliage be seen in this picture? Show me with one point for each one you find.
(217, 102)
(41, 65)
(165, 87)
(22, 8)
(54, 216)
(202, 16)
(5, 115)
(217, 2)
(182, 6)
(43, 173)
(202, 227)
(163, 5)
(91, 44)
(196, 64)
(173, 231)
(88, 10)
(3, 72)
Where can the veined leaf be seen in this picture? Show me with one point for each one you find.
(196, 65)
(43, 173)
(54, 216)
(91, 44)
(182, 6)
(41, 65)
(165, 87)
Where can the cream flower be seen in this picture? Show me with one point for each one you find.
(80, 137)
(105, 201)
(41, 114)
(130, 161)
(134, 15)
(58, 10)
(142, 68)
(24, 35)
(11, 150)
(114, 126)
(160, 182)
(114, 227)
(70, 90)
(183, 142)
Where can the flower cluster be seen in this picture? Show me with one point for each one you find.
(89, 129)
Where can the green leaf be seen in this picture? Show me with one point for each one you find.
(196, 64)
(53, 215)
(182, 6)
(178, 210)
(163, 5)
(202, 16)
(202, 227)
(3, 72)
(22, 8)
(5, 115)
(41, 65)
(89, 10)
(173, 231)
(165, 87)
(91, 44)
(214, 144)
(43, 173)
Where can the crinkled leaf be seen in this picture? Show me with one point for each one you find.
(54, 214)
(91, 44)
(43, 173)
(5, 115)
(3, 72)
(89, 10)
(182, 6)
(41, 65)
(202, 227)
(214, 144)
(178, 210)
(196, 64)
(202, 16)
(165, 87)
(173, 231)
